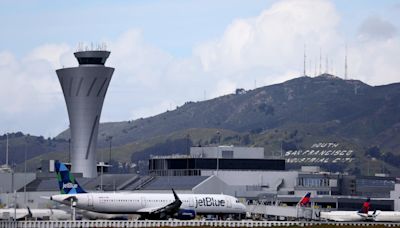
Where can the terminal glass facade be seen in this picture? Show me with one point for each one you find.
(193, 166)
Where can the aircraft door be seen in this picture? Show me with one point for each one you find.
(143, 201)
(228, 202)
(90, 200)
(191, 202)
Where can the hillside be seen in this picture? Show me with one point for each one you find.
(292, 115)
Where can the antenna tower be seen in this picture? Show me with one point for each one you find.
(345, 63)
(327, 65)
(320, 61)
(304, 71)
(315, 67)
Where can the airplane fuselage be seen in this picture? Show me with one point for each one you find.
(343, 216)
(22, 213)
(386, 216)
(137, 203)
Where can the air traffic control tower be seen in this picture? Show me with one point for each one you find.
(84, 89)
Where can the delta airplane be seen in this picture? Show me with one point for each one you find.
(305, 200)
(386, 216)
(283, 211)
(27, 213)
(148, 205)
(348, 216)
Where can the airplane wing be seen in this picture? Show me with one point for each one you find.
(148, 209)
(20, 215)
(164, 212)
(71, 198)
(68, 198)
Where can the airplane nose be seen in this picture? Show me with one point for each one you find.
(242, 207)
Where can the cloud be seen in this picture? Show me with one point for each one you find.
(373, 55)
(274, 39)
(256, 51)
(375, 28)
(51, 53)
(30, 93)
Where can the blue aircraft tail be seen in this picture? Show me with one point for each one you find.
(66, 181)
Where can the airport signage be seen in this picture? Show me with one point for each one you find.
(322, 152)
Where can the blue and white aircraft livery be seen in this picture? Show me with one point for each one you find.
(149, 205)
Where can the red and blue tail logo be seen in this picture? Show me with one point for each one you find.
(366, 206)
(66, 181)
(305, 200)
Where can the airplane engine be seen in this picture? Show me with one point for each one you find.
(186, 214)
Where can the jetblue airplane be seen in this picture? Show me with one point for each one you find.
(148, 205)
(348, 216)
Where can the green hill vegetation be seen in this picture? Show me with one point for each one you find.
(289, 116)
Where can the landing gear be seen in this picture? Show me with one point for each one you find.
(73, 209)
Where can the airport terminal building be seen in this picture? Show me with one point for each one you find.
(245, 173)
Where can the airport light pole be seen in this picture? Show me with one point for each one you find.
(69, 150)
(14, 193)
(187, 143)
(25, 172)
(7, 151)
(110, 140)
(101, 175)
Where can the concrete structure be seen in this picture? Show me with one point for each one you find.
(84, 89)
(203, 161)
(227, 152)
(247, 173)
(395, 196)
(260, 181)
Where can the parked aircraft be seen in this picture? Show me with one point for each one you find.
(305, 200)
(282, 212)
(39, 214)
(386, 216)
(348, 216)
(148, 205)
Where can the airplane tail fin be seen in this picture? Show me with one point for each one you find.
(30, 215)
(305, 200)
(66, 181)
(366, 206)
(175, 195)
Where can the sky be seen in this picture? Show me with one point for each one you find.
(166, 53)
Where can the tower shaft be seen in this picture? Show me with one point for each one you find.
(84, 89)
